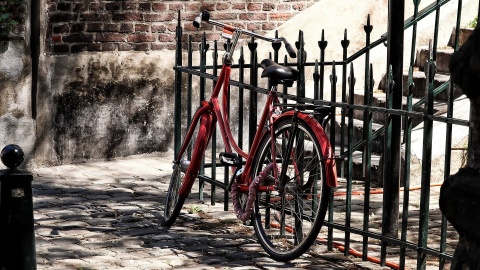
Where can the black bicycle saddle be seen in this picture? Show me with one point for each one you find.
(278, 73)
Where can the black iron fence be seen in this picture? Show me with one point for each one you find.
(399, 225)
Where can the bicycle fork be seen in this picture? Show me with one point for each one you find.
(205, 119)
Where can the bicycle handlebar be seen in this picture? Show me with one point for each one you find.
(205, 16)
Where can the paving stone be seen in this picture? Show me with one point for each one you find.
(106, 216)
(71, 224)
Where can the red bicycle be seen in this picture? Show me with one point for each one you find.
(284, 185)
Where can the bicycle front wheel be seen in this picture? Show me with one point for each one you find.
(287, 222)
(185, 170)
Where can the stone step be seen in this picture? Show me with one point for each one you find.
(420, 81)
(377, 144)
(443, 58)
(358, 166)
(379, 100)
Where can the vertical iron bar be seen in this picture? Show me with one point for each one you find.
(252, 124)
(300, 140)
(316, 82)
(435, 35)
(406, 175)
(214, 136)
(345, 42)
(333, 81)
(189, 91)
(426, 163)
(269, 83)
(323, 45)
(178, 90)
(226, 169)
(414, 33)
(413, 49)
(301, 58)
(349, 171)
(203, 65)
(203, 85)
(447, 169)
(367, 136)
(427, 151)
(241, 78)
(387, 169)
(285, 88)
(392, 183)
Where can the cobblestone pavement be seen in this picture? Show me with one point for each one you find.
(105, 215)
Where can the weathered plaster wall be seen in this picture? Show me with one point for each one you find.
(105, 105)
(16, 123)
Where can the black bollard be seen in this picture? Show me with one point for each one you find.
(17, 235)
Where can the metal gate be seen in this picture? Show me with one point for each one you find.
(384, 209)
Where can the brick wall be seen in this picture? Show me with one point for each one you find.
(77, 25)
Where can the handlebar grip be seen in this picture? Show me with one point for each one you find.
(203, 16)
(197, 22)
(290, 49)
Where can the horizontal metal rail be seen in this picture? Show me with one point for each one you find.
(343, 105)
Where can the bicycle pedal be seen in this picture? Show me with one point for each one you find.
(230, 159)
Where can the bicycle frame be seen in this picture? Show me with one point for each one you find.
(212, 107)
(215, 113)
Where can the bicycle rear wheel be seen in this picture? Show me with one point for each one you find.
(185, 171)
(287, 223)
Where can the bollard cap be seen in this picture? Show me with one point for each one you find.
(12, 156)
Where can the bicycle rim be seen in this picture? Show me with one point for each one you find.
(174, 202)
(287, 223)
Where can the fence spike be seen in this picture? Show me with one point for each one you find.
(345, 42)
(276, 45)
(333, 76)
(351, 78)
(322, 43)
(368, 28)
(252, 45)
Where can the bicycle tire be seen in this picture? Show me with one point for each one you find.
(288, 223)
(184, 173)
